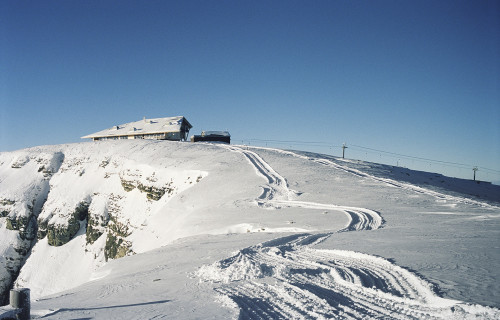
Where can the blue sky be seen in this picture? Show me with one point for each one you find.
(419, 78)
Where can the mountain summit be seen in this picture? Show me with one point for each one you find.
(190, 230)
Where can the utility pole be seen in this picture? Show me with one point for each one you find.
(343, 150)
(475, 169)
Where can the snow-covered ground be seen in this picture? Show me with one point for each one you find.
(241, 232)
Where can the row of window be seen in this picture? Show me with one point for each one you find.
(111, 138)
(153, 136)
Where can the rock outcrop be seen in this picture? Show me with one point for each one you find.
(51, 196)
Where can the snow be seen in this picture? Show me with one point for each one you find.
(145, 126)
(52, 265)
(257, 233)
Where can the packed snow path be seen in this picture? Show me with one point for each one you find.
(288, 279)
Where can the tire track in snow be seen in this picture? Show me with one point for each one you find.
(286, 278)
(359, 218)
(277, 186)
(276, 194)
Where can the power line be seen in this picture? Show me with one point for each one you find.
(291, 141)
(353, 146)
(455, 164)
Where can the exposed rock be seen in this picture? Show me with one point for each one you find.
(20, 215)
(119, 229)
(20, 162)
(116, 247)
(7, 202)
(5, 207)
(96, 225)
(127, 185)
(25, 225)
(58, 235)
(43, 206)
(104, 163)
(153, 193)
(82, 211)
(93, 231)
(42, 229)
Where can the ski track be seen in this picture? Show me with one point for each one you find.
(276, 187)
(394, 183)
(286, 278)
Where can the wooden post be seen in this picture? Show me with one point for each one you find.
(20, 299)
(475, 169)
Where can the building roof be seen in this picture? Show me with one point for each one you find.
(145, 126)
(215, 133)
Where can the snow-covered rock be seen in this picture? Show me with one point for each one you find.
(83, 192)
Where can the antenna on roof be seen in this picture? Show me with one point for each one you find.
(144, 119)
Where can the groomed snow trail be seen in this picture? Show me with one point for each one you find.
(287, 278)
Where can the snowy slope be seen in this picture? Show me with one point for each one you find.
(226, 231)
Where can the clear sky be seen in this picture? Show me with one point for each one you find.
(419, 78)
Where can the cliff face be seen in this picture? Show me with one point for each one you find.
(25, 184)
(96, 194)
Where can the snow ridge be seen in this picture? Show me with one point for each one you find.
(287, 278)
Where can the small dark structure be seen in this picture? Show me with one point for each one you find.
(212, 136)
(19, 307)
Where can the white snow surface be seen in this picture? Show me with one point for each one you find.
(253, 233)
(145, 126)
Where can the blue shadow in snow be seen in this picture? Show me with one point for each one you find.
(107, 307)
